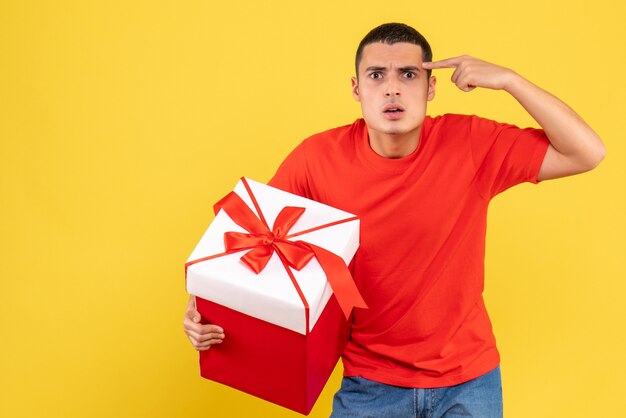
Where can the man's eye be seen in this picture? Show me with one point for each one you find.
(409, 74)
(376, 75)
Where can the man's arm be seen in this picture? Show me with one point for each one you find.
(574, 146)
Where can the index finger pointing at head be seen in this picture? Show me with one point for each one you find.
(447, 63)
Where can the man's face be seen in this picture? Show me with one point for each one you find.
(393, 88)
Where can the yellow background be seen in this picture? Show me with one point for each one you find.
(122, 122)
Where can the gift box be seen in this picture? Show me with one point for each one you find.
(272, 271)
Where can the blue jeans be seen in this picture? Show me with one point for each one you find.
(480, 398)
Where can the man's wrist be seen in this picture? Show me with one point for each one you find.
(515, 83)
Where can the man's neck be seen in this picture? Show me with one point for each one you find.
(394, 145)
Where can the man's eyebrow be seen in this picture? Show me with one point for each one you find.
(375, 68)
(400, 69)
(409, 68)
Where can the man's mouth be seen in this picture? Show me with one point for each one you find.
(392, 108)
(393, 111)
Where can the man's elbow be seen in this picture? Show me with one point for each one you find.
(556, 165)
(595, 156)
(591, 154)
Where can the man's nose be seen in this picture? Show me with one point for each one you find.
(393, 88)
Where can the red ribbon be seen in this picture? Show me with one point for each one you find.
(263, 242)
(260, 240)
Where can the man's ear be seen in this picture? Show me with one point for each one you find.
(355, 89)
(432, 81)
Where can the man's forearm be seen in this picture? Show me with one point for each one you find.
(575, 146)
(568, 133)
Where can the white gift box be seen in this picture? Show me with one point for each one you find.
(270, 295)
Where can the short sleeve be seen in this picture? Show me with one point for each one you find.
(505, 155)
(291, 175)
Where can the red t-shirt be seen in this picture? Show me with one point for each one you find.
(420, 264)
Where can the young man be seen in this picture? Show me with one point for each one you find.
(421, 187)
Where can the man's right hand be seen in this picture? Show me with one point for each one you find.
(202, 337)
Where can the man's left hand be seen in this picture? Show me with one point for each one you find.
(470, 72)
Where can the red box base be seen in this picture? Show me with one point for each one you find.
(271, 362)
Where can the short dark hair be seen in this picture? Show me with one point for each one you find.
(391, 33)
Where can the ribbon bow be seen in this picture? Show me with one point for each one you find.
(263, 242)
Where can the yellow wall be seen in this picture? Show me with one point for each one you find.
(121, 122)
